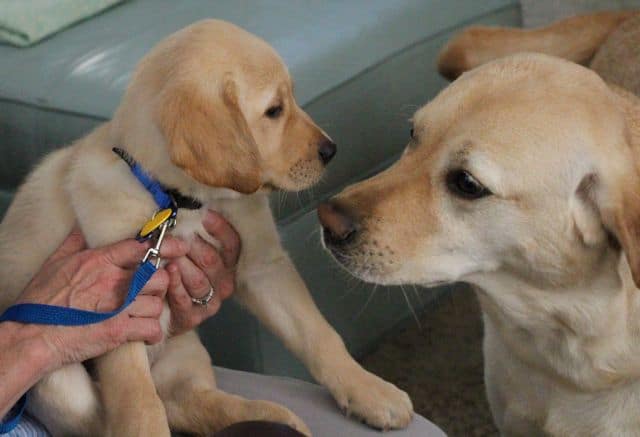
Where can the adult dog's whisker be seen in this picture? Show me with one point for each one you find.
(366, 304)
(413, 312)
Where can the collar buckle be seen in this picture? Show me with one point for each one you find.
(154, 252)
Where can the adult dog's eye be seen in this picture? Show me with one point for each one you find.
(463, 184)
(274, 111)
(412, 134)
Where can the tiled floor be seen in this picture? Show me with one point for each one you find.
(440, 365)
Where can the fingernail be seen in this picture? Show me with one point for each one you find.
(211, 218)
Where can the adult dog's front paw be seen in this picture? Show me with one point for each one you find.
(378, 403)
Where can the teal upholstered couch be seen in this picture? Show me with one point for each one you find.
(361, 68)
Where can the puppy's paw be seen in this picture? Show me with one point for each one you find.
(272, 412)
(378, 403)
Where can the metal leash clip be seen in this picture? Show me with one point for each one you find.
(160, 226)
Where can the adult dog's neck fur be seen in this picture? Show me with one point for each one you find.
(581, 334)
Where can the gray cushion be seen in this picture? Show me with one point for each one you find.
(312, 403)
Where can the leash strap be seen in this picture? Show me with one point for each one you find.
(14, 416)
(54, 315)
(41, 314)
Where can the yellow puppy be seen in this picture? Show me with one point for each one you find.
(522, 178)
(209, 112)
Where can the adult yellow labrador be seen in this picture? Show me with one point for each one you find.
(522, 178)
(210, 113)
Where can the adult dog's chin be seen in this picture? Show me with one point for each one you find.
(352, 264)
(270, 187)
(371, 273)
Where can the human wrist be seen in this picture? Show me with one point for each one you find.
(28, 342)
(23, 362)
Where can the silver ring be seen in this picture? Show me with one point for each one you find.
(203, 301)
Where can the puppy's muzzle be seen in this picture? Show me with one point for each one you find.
(339, 226)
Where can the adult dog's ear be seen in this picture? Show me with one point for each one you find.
(208, 136)
(625, 215)
(610, 202)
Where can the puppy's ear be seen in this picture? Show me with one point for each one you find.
(208, 136)
(610, 203)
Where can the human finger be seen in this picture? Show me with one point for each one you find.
(144, 329)
(219, 228)
(157, 285)
(195, 281)
(146, 306)
(126, 253)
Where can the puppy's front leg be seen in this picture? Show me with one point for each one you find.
(279, 298)
(131, 403)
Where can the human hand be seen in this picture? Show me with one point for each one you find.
(98, 280)
(203, 267)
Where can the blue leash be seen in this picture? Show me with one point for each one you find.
(54, 315)
(41, 314)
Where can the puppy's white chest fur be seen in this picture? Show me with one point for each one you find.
(189, 225)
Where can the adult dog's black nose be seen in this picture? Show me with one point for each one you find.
(339, 227)
(326, 150)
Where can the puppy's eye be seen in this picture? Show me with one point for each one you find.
(274, 111)
(463, 184)
(412, 134)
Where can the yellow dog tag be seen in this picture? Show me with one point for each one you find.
(156, 221)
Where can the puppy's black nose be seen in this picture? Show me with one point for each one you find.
(339, 227)
(326, 150)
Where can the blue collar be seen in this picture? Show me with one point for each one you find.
(164, 198)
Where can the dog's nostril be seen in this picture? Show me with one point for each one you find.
(326, 150)
(338, 226)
